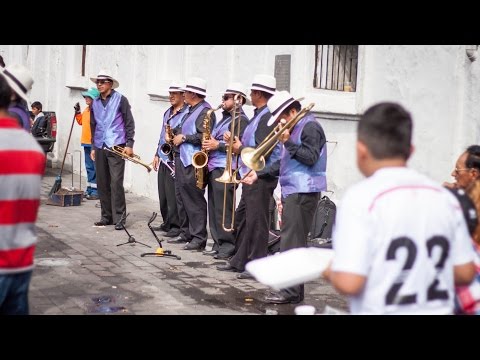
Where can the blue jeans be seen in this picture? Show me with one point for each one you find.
(91, 173)
(14, 293)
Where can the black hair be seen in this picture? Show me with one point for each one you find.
(473, 157)
(5, 93)
(295, 105)
(37, 105)
(386, 130)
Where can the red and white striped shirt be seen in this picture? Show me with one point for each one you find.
(22, 164)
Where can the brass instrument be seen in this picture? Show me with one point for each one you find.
(118, 150)
(229, 177)
(166, 148)
(200, 158)
(254, 158)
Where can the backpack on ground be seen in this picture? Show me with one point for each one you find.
(320, 234)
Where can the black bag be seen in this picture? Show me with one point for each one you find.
(320, 234)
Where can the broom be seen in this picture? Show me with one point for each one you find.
(58, 180)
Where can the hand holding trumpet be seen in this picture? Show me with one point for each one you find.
(236, 142)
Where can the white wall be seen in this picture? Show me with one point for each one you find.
(438, 84)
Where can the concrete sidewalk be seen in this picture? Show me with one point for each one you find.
(80, 270)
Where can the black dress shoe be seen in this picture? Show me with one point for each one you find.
(172, 233)
(210, 252)
(178, 240)
(160, 228)
(282, 299)
(220, 256)
(119, 226)
(227, 267)
(102, 223)
(245, 275)
(194, 246)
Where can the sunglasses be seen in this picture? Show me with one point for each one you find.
(101, 82)
(226, 97)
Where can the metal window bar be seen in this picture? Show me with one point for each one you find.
(335, 67)
(84, 55)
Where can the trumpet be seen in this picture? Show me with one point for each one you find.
(254, 158)
(118, 150)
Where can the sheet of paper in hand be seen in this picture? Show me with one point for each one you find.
(292, 267)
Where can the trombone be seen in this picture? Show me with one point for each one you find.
(254, 158)
(229, 176)
(119, 150)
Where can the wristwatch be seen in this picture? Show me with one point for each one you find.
(184, 138)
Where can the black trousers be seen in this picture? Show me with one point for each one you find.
(252, 222)
(224, 241)
(167, 198)
(297, 217)
(110, 172)
(193, 203)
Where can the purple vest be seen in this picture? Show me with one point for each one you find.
(110, 127)
(218, 159)
(22, 114)
(296, 177)
(248, 138)
(189, 128)
(173, 122)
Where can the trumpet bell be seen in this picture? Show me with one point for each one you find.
(199, 159)
(252, 160)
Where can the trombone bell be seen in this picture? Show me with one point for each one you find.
(252, 159)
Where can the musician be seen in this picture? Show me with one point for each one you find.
(224, 241)
(302, 177)
(252, 215)
(166, 184)
(188, 140)
(112, 124)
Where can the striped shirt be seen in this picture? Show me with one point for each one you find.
(22, 164)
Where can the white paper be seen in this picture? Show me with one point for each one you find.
(292, 267)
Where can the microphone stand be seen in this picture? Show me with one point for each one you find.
(160, 251)
(131, 239)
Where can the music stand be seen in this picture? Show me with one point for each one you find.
(131, 239)
(160, 251)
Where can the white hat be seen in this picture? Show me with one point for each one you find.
(265, 83)
(105, 75)
(176, 86)
(279, 102)
(196, 85)
(238, 88)
(19, 78)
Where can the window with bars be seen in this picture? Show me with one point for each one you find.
(336, 67)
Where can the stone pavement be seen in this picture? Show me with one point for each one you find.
(81, 270)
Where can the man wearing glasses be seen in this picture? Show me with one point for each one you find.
(112, 124)
(224, 242)
(467, 169)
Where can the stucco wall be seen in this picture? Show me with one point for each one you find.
(438, 84)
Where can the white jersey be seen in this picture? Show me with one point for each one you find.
(404, 233)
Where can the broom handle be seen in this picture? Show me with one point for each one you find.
(68, 142)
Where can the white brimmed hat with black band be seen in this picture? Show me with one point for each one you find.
(18, 78)
(263, 82)
(278, 103)
(106, 75)
(196, 85)
(237, 88)
(176, 86)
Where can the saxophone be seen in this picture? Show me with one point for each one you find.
(200, 158)
(166, 148)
